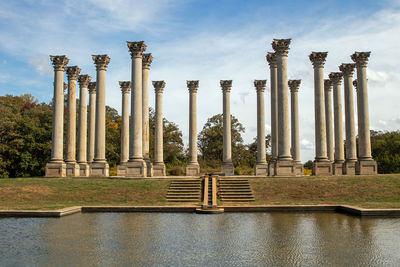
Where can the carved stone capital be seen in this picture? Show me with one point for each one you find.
(294, 85)
(336, 78)
(59, 62)
(193, 86)
(327, 85)
(226, 85)
(101, 61)
(73, 72)
(360, 58)
(92, 87)
(281, 46)
(318, 58)
(347, 69)
(147, 60)
(125, 86)
(84, 80)
(355, 85)
(271, 59)
(260, 85)
(158, 86)
(136, 48)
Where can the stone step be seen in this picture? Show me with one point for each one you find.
(183, 194)
(235, 195)
(184, 191)
(237, 200)
(182, 200)
(235, 190)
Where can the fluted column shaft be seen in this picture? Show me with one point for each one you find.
(227, 139)
(125, 89)
(82, 140)
(193, 87)
(158, 142)
(328, 119)
(338, 116)
(72, 73)
(92, 121)
(294, 100)
(146, 62)
(261, 153)
(271, 58)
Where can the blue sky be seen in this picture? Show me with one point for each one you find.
(207, 41)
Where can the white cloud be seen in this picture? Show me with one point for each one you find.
(41, 64)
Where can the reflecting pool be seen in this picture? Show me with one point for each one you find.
(184, 239)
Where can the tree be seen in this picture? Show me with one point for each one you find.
(385, 149)
(113, 136)
(308, 165)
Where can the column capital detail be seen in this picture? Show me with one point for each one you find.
(281, 46)
(327, 85)
(336, 78)
(260, 85)
(347, 69)
(158, 86)
(147, 60)
(271, 59)
(361, 58)
(101, 61)
(193, 86)
(136, 48)
(59, 62)
(92, 87)
(73, 72)
(294, 85)
(355, 85)
(125, 86)
(318, 58)
(226, 85)
(84, 80)
(65, 86)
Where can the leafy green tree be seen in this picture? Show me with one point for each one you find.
(385, 149)
(113, 136)
(308, 165)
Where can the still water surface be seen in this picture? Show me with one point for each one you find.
(178, 239)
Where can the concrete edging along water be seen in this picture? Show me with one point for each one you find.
(248, 208)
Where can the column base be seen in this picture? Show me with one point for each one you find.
(228, 169)
(149, 167)
(298, 168)
(322, 168)
(84, 169)
(366, 167)
(56, 169)
(136, 169)
(73, 169)
(99, 169)
(271, 167)
(349, 168)
(158, 169)
(121, 169)
(284, 168)
(337, 168)
(261, 169)
(192, 169)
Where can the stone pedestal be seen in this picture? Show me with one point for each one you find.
(227, 168)
(322, 168)
(271, 167)
(284, 168)
(337, 168)
(366, 167)
(159, 169)
(99, 169)
(262, 169)
(136, 169)
(121, 169)
(192, 169)
(84, 169)
(349, 168)
(56, 169)
(298, 169)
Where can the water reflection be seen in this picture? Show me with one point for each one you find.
(154, 239)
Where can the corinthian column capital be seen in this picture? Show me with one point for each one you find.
(361, 58)
(260, 85)
(125, 86)
(192, 86)
(347, 69)
(336, 78)
(92, 87)
(318, 58)
(327, 85)
(101, 61)
(158, 86)
(294, 85)
(73, 72)
(59, 62)
(84, 80)
(136, 48)
(271, 59)
(281, 46)
(226, 85)
(147, 60)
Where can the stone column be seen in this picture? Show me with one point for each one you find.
(294, 101)
(365, 164)
(125, 90)
(72, 166)
(358, 116)
(82, 137)
(193, 168)
(321, 164)
(136, 166)
(284, 165)
(159, 166)
(147, 59)
(336, 80)
(227, 165)
(349, 167)
(56, 167)
(261, 166)
(92, 121)
(271, 58)
(99, 166)
(328, 119)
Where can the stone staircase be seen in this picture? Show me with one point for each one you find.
(184, 190)
(234, 190)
